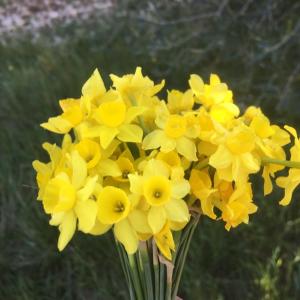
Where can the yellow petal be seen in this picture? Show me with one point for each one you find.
(94, 87)
(99, 228)
(88, 189)
(67, 230)
(214, 79)
(221, 158)
(177, 210)
(107, 135)
(187, 148)
(57, 125)
(130, 133)
(138, 220)
(126, 235)
(156, 167)
(180, 188)
(133, 112)
(86, 212)
(56, 218)
(197, 85)
(79, 169)
(167, 144)
(153, 140)
(136, 184)
(157, 218)
(108, 167)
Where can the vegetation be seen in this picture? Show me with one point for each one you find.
(253, 45)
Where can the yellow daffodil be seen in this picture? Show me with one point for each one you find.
(67, 198)
(162, 193)
(215, 96)
(132, 87)
(201, 187)
(172, 135)
(114, 119)
(179, 102)
(165, 242)
(233, 159)
(237, 205)
(291, 182)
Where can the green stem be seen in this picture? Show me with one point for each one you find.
(125, 267)
(202, 164)
(162, 279)
(136, 278)
(286, 163)
(169, 290)
(180, 262)
(156, 270)
(147, 272)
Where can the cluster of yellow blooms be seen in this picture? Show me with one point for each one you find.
(141, 165)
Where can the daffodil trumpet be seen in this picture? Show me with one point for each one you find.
(145, 168)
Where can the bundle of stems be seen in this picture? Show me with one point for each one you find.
(148, 274)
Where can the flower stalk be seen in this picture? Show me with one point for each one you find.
(286, 163)
(150, 276)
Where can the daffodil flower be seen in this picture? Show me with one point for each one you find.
(233, 159)
(67, 199)
(291, 182)
(171, 135)
(162, 194)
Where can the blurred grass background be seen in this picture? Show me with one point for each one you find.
(253, 45)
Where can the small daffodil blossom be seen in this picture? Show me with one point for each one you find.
(67, 199)
(171, 135)
(133, 87)
(115, 120)
(45, 171)
(116, 208)
(165, 242)
(233, 159)
(215, 96)
(162, 193)
(76, 110)
(71, 117)
(179, 102)
(237, 206)
(291, 182)
(201, 187)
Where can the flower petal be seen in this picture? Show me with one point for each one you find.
(107, 134)
(153, 140)
(94, 86)
(157, 218)
(138, 220)
(126, 235)
(177, 210)
(67, 230)
(187, 148)
(86, 212)
(180, 188)
(79, 169)
(130, 133)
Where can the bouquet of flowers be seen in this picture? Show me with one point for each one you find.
(147, 168)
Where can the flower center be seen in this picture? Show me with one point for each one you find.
(113, 205)
(157, 190)
(119, 207)
(157, 194)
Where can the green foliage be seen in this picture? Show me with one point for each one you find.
(253, 45)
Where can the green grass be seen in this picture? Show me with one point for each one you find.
(258, 261)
